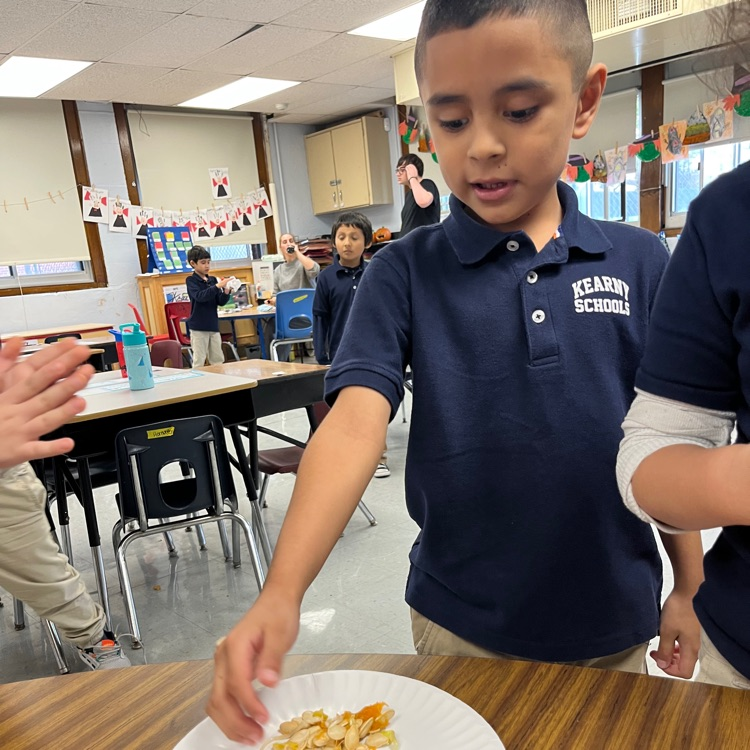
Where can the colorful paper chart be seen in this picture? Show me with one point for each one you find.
(168, 247)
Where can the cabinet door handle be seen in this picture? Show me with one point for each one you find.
(333, 196)
(341, 198)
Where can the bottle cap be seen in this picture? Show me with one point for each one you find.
(132, 334)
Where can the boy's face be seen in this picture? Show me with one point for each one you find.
(350, 244)
(502, 110)
(202, 266)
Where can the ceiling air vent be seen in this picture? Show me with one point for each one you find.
(613, 16)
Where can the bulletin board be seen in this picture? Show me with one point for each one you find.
(168, 247)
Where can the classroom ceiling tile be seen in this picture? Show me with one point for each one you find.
(180, 85)
(333, 16)
(260, 11)
(181, 40)
(107, 82)
(167, 6)
(334, 54)
(21, 21)
(262, 48)
(296, 96)
(351, 99)
(363, 72)
(295, 119)
(91, 32)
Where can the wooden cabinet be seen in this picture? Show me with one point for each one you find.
(349, 166)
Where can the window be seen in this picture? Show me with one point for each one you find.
(611, 202)
(686, 178)
(43, 274)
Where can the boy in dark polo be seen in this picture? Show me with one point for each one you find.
(525, 548)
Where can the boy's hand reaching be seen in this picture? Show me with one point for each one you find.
(253, 650)
(679, 636)
(221, 283)
(37, 397)
(411, 171)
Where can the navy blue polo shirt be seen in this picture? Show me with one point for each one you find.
(524, 365)
(698, 352)
(205, 296)
(334, 295)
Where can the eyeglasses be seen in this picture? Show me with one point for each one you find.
(400, 170)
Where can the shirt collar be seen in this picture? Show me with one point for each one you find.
(340, 270)
(472, 242)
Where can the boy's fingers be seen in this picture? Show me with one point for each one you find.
(48, 448)
(48, 387)
(50, 419)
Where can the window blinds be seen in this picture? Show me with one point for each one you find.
(36, 160)
(174, 151)
(615, 124)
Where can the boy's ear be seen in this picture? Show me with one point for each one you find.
(589, 99)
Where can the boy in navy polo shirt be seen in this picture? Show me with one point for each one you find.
(334, 295)
(205, 292)
(525, 547)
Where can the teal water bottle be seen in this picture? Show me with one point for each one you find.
(137, 357)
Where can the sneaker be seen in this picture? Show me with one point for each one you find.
(107, 654)
(382, 471)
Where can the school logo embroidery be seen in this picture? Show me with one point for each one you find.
(585, 301)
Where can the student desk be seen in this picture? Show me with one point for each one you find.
(42, 333)
(281, 386)
(249, 313)
(531, 706)
(111, 406)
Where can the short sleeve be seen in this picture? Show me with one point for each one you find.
(376, 344)
(691, 352)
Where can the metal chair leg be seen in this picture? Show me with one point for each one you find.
(19, 618)
(403, 412)
(127, 593)
(201, 535)
(259, 526)
(225, 541)
(57, 648)
(367, 513)
(169, 539)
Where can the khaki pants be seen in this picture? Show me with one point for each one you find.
(716, 670)
(32, 567)
(206, 345)
(431, 638)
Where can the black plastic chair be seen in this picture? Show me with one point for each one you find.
(169, 469)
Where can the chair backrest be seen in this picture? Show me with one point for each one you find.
(57, 337)
(138, 318)
(177, 313)
(167, 353)
(294, 318)
(173, 468)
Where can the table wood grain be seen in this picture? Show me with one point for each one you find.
(530, 706)
(41, 333)
(263, 369)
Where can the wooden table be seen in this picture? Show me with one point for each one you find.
(249, 313)
(530, 706)
(108, 411)
(42, 333)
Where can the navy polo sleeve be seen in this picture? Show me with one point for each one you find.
(691, 353)
(321, 320)
(376, 344)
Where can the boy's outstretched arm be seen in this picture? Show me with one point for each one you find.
(335, 470)
(680, 630)
(37, 395)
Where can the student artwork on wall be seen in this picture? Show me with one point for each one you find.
(121, 216)
(234, 217)
(220, 187)
(697, 128)
(95, 205)
(617, 165)
(201, 223)
(248, 214)
(600, 169)
(143, 218)
(261, 204)
(672, 138)
(720, 120)
(217, 222)
(162, 218)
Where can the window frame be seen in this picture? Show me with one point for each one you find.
(94, 274)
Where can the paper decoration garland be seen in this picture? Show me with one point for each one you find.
(697, 128)
(600, 169)
(617, 165)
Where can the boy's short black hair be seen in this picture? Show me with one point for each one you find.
(196, 253)
(353, 219)
(568, 21)
(411, 159)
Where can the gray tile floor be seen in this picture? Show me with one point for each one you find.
(185, 603)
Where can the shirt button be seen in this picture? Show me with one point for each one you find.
(538, 316)
(532, 277)
(355, 286)
(512, 246)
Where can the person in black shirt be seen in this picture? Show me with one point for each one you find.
(422, 205)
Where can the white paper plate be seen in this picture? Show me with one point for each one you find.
(426, 717)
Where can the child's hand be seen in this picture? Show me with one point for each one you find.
(38, 396)
(679, 637)
(411, 171)
(222, 282)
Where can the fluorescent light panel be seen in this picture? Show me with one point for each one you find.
(399, 26)
(239, 92)
(27, 77)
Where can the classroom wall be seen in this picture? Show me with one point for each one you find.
(289, 164)
(108, 305)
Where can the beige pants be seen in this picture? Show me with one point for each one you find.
(431, 638)
(716, 670)
(206, 345)
(32, 567)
